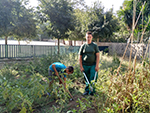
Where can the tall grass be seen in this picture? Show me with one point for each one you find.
(129, 91)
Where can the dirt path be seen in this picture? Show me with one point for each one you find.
(72, 105)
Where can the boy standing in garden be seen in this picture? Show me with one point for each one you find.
(89, 60)
(58, 68)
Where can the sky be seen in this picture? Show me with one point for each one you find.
(106, 3)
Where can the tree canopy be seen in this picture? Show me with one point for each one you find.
(65, 19)
(16, 20)
(126, 13)
(102, 24)
(81, 25)
(59, 13)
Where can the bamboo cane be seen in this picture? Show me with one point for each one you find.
(130, 39)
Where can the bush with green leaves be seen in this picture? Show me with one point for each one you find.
(24, 84)
(19, 92)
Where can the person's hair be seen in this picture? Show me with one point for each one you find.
(89, 33)
(70, 68)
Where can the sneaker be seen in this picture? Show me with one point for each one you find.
(48, 94)
(92, 94)
(86, 93)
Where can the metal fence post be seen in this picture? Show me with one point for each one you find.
(33, 50)
(6, 51)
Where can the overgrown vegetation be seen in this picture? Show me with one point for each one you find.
(23, 86)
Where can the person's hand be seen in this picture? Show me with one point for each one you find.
(81, 69)
(96, 68)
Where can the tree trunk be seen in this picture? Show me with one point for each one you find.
(70, 42)
(64, 42)
(55, 42)
(6, 40)
(74, 43)
(18, 42)
(58, 46)
(6, 48)
(97, 41)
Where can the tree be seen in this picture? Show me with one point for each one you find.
(81, 25)
(16, 20)
(102, 24)
(122, 35)
(126, 14)
(82, 20)
(60, 15)
(26, 24)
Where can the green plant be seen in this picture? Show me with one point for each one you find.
(20, 92)
(22, 86)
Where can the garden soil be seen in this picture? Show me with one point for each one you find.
(71, 105)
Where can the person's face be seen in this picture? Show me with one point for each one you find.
(67, 71)
(89, 38)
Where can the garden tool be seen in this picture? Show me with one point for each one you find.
(66, 89)
(93, 81)
(91, 88)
